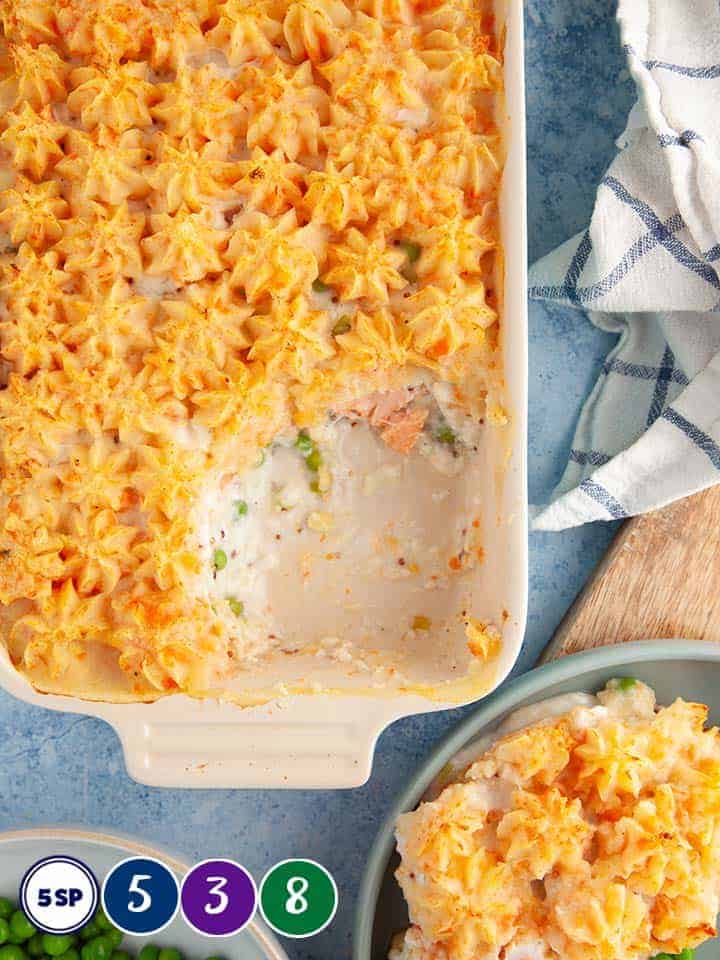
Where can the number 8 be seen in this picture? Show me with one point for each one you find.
(217, 891)
(296, 903)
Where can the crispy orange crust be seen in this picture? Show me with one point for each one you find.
(589, 839)
(175, 175)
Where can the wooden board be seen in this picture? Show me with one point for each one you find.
(660, 579)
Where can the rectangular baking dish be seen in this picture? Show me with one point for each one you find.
(326, 740)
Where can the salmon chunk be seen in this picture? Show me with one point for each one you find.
(392, 412)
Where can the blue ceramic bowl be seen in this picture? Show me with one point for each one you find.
(674, 668)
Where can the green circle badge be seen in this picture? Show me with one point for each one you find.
(298, 898)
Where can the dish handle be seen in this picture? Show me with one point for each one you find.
(289, 744)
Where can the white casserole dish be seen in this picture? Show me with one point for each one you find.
(327, 740)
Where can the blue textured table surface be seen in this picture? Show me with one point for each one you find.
(57, 769)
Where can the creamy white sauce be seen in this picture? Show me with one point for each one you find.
(463, 424)
(493, 794)
(413, 118)
(543, 710)
(444, 457)
(155, 288)
(216, 58)
(519, 719)
(61, 114)
(219, 219)
(192, 436)
(248, 540)
(8, 177)
(335, 309)
(529, 950)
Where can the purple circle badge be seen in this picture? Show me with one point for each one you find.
(218, 898)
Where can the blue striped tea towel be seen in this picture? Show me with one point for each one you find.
(647, 268)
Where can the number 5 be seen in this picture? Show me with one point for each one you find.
(217, 891)
(145, 901)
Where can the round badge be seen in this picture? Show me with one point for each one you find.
(141, 895)
(59, 894)
(298, 898)
(218, 898)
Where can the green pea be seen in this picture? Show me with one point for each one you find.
(304, 443)
(55, 945)
(4, 930)
(149, 952)
(71, 954)
(319, 287)
(101, 919)
(342, 326)
(17, 938)
(627, 683)
(445, 434)
(237, 606)
(170, 953)
(20, 927)
(412, 250)
(241, 507)
(89, 931)
(35, 946)
(12, 952)
(219, 559)
(114, 936)
(120, 955)
(99, 948)
(314, 460)
(7, 908)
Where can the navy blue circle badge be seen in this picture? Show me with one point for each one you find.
(141, 895)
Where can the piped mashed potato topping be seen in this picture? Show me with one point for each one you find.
(222, 221)
(593, 835)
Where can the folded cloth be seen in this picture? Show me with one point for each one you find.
(648, 268)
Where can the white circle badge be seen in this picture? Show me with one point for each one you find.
(59, 894)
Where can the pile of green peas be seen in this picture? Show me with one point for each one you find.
(97, 940)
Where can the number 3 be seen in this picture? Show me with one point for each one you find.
(145, 902)
(218, 890)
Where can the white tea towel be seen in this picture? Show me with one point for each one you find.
(648, 268)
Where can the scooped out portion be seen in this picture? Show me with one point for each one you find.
(351, 539)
